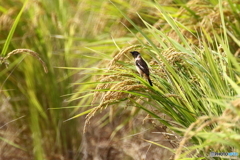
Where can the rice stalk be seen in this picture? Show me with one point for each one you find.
(226, 124)
(28, 51)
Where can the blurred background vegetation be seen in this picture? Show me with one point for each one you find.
(93, 105)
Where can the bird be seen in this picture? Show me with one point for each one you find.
(141, 66)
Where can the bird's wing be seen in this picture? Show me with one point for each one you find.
(143, 66)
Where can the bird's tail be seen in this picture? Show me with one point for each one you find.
(150, 82)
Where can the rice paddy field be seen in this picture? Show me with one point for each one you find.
(69, 89)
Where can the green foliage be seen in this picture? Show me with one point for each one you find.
(194, 79)
(191, 47)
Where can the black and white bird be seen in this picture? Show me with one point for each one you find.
(141, 66)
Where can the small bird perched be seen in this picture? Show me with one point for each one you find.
(141, 66)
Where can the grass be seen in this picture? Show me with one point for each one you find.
(191, 48)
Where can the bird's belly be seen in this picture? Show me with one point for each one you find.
(139, 71)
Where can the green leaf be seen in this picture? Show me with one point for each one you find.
(10, 35)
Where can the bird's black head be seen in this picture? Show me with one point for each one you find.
(135, 53)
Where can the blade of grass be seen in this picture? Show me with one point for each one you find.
(10, 35)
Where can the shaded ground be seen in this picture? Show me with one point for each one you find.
(96, 143)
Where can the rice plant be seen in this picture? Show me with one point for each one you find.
(93, 103)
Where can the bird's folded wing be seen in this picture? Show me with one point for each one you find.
(143, 66)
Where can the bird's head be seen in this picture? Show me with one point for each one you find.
(135, 53)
